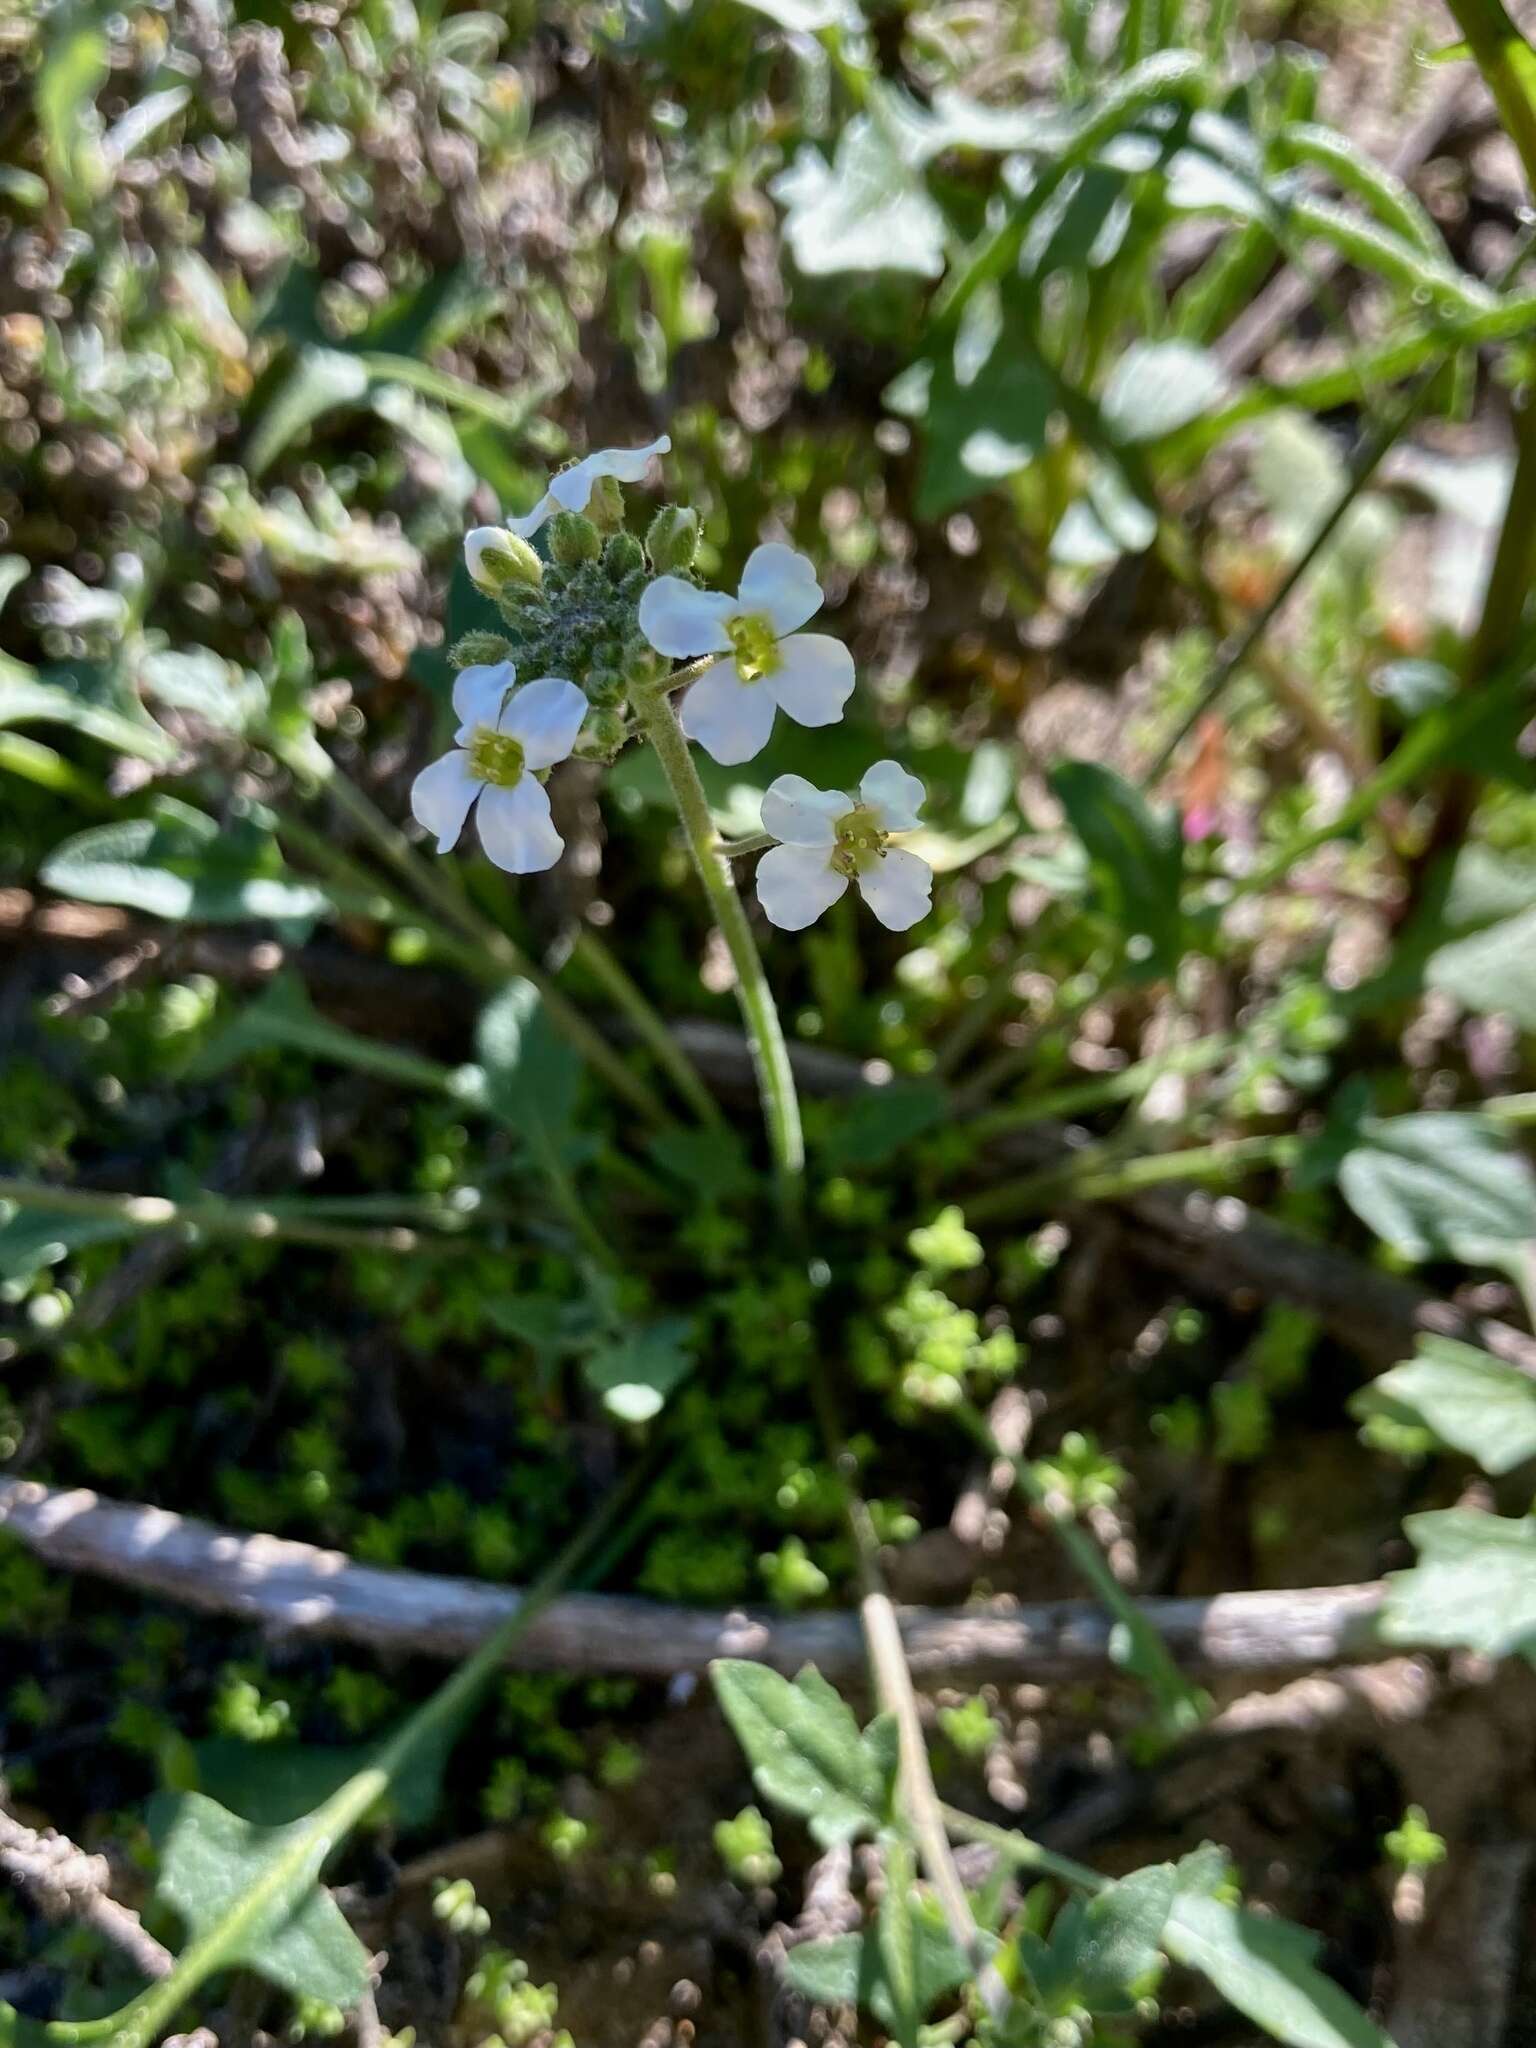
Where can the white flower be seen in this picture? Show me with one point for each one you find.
(829, 840)
(729, 710)
(506, 737)
(572, 488)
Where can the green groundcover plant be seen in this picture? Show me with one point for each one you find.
(715, 1259)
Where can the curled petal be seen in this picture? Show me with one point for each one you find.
(893, 795)
(545, 716)
(730, 719)
(814, 678)
(780, 585)
(798, 813)
(476, 541)
(441, 796)
(526, 527)
(795, 884)
(898, 888)
(572, 488)
(679, 619)
(478, 694)
(516, 829)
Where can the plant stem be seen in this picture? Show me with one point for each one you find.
(1021, 1851)
(503, 958)
(1097, 1175)
(213, 1217)
(759, 1013)
(1128, 1085)
(1143, 1650)
(781, 1114)
(650, 1026)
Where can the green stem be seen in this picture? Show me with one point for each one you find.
(650, 1026)
(1020, 1851)
(1097, 1175)
(1128, 1085)
(759, 1013)
(1143, 1651)
(213, 1217)
(505, 959)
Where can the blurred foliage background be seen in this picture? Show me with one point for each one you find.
(1053, 336)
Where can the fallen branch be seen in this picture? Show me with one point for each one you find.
(65, 1883)
(295, 1588)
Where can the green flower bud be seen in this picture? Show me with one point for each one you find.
(640, 663)
(601, 736)
(605, 685)
(573, 539)
(498, 560)
(605, 507)
(622, 556)
(477, 648)
(672, 540)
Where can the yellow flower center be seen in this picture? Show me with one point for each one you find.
(860, 842)
(495, 757)
(756, 645)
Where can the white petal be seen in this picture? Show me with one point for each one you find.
(730, 719)
(814, 678)
(898, 888)
(678, 618)
(516, 829)
(780, 585)
(441, 796)
(526, 527)
(893, 795)
(800, 814)
(476, 541)
(573, 486)
(795, 884)
(546, 716)
(478, 694)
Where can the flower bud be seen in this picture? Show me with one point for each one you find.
(622, 556)
(573, 539)
(672, 540)
(605, 686)
(479, 648)
(601, 736)
(497, 559)
(605, 507)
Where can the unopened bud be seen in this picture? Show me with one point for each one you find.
(622, 556)
(673, 539)
(605, 507)
(497, 559)
(573, 540)
(601, 737)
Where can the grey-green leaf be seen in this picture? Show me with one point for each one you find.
(1136, 858)
(804, 1747)
(636, 1374)
(1264, 1967)
(1474, 1586)
(1472, 1401)
(180, 864)
(868, 210)
(531, 1073)
(1441, 1183)
(1158, 387)
(211, 1862)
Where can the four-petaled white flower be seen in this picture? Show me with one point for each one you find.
(730, 709)
(830, 839)
(571, 490)
(506, 737)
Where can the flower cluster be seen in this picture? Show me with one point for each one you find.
(600, 606)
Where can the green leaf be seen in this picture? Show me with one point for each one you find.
(321, 380)
(273, 1784)
(636, 1374)
(1490, 969)
(223, 696)
(1264, 1967)
(74, 69)
(985, 400)
(828, 1972)
(1121, 1937)
(531, 1073)
(1441, 1183)
(848, 1970)
(23, 703)
(1474, 1586)
(868, 211)
(1135, 858)
(283, 1016)
(33, 1239)
(1471, 1401)
(805, 1749)
(714, 1163)
(291, 1932)
(181, 864)
(875, 1126)
(1158, 387)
